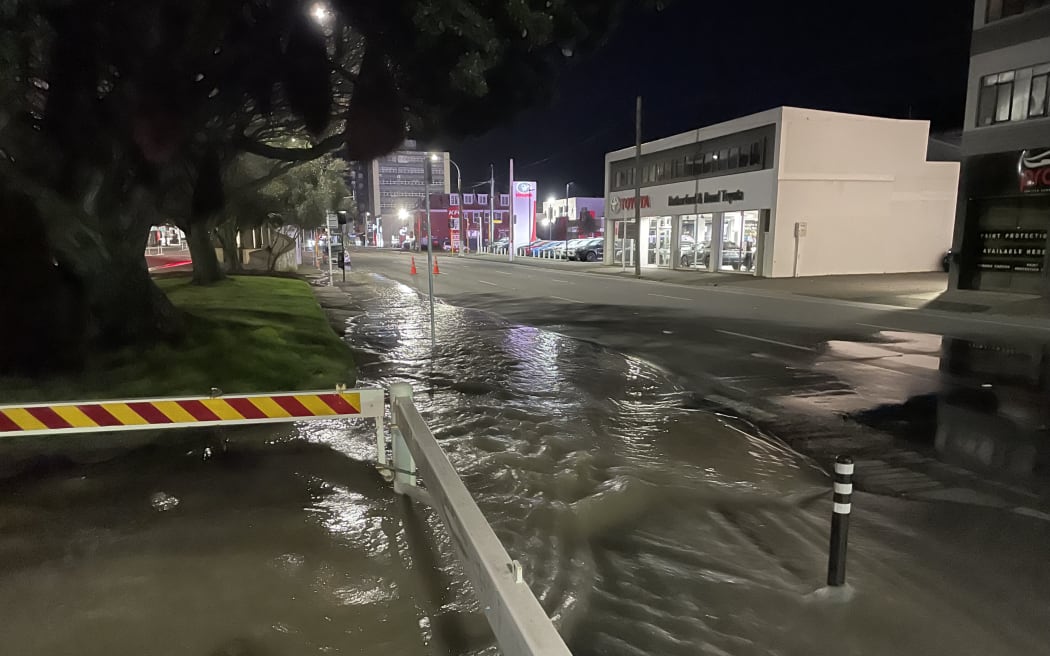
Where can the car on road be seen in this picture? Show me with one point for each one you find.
(591, 250)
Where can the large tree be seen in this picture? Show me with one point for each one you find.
(117, 114)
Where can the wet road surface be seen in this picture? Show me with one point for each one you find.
(647, 524)
(961, 396)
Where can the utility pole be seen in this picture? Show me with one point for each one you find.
(565, 242)
(492, 203)
(510, 251)
(638, 187)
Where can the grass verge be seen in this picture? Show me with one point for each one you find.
(246, 334)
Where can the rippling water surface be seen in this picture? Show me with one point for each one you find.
(645, 525)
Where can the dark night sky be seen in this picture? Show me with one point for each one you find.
(699, 62)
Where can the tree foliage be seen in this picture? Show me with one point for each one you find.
(119, 114)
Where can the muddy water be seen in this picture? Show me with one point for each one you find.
(645, 525)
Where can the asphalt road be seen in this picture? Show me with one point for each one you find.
(829, 376)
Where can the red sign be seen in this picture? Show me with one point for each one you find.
(1034, 169)
(626, 203)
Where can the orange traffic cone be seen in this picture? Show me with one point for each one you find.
(436, 271)
(413, 269)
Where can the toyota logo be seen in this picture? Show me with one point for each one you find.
(614, 204)
(525, 187)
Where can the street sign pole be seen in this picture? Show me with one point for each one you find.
(333, 227)
(427, 175)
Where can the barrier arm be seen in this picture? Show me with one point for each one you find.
(47, 419)
(518, 621)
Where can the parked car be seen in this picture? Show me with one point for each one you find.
(591, 250)
(565, 248)
(527, 249)
(547, 249)
(700, 254)
(501, 245)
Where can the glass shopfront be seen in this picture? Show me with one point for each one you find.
(739, 240)
(656, 242)
(1006, 230)
(736, 250)
(694, 241)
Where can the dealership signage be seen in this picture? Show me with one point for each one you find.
(626, 203)
(702, 198)
(1034, 170)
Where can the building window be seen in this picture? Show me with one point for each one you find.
(1004, 93)
(1037, 102)
(998, 9)
(1013, 95)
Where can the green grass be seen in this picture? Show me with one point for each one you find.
(246, 334)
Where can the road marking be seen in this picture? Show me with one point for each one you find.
(768, 341)
(570, 300)
(564, 281)
(485, 282)
(885, 328)
(505, 273)
(677, 298)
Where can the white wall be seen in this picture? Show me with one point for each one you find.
(870, 200)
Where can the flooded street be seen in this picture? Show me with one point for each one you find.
(646, 524)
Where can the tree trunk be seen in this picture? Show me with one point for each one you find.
(230, 253)
(206, 269)
(125, 305)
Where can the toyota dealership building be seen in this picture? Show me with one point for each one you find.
(786, 192)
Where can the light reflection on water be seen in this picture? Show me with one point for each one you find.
(644, 527)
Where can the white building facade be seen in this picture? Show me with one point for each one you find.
(563, 214)
(786, 192)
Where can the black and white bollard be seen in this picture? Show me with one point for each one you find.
(840, 520)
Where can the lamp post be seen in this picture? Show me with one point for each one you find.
(565, 246)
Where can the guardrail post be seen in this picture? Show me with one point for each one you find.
(404, 464)
(843, 495)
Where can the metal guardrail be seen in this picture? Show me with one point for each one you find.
(520, 624)
(518, 621)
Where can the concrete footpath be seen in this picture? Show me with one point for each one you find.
(912, 290)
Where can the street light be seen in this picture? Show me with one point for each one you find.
(459, 190)
(320, 12)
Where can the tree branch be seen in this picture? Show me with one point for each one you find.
(322, 148)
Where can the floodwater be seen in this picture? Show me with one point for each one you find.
(646, 523)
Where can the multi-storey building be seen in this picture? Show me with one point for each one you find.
(1003, 217)
(392, 183)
